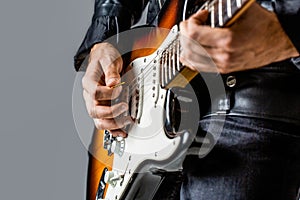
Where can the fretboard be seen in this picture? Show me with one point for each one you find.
(224, 12)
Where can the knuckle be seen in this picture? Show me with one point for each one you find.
(115, 93)
(93, 112)
(188, 58)
(95, 94)
(227, 41)
(227, 44)
(113, 75)
(106, 112)
(119, 61)
(226, 58)
(192, 33)
(84, 81)
(223, 69)
(84, 94)
(90, 112)
(98, 124)
(182, 26)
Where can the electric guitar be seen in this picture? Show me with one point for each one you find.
(162, 105)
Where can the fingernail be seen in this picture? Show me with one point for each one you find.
(112, 81)
(128, 121)
(124, 107)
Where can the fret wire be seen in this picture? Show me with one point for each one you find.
(229, 12)
(165, 68)
(239, 3)
(220, 13)
(211, 3)
(173, 58)
(178, 54)
(206, 5)
(169, 64)
(162, 70)
(212, 16)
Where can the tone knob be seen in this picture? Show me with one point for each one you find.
(112, 178)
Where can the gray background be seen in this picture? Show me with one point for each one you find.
(41, 154)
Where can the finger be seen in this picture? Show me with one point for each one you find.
(195, 56)
(190, 27)
(105, 93)
(215, 37)
(103, 109)
(100, 92)
(200, 64)
(89, 102)
(205, 35)
(118, 133)
(107, 112)
(199, 17)
(192, 46)
(112, 124)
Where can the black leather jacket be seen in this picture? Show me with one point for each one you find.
(279, 81)
(111, 16)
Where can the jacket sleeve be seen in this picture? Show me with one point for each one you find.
(110, 17)
(288, 13)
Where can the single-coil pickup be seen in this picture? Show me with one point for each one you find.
(136, 98)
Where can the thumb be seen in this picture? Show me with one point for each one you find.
(112, 73)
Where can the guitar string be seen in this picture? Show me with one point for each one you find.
(133, 86)
(147, 69)
(155, 61)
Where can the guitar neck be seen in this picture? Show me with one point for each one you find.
(222, 13)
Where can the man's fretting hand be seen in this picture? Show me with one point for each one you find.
(254, 40)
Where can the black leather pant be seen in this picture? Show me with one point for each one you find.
(253, 159)
(257, 153)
